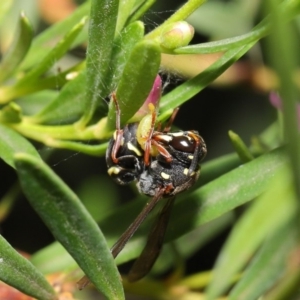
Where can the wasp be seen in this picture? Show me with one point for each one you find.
(163, 164)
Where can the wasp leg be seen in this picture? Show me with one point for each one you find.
(162, 150)
(148, 142)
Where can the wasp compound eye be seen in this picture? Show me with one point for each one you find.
(183, 144)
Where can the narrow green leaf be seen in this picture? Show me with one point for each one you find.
(125, 9)
(268, 265)
(68, 100)
(214, 168)
(141, 7)
(53, 55)
(102, 27)
(18, 272)
(271, 211)
(195, 240)
(70, 223)
(240, 147)
(11, 143)
(137, 80)
(193, 86)
(226, 192)
(34, 103)
(44, 42)
(122, 49)
(18, 48)
(258, 32)
(282, 43)
(288, 10)
(53, 258)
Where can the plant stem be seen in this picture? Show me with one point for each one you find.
(47, 133)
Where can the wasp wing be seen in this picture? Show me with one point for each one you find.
(144, 263)
(125, 237)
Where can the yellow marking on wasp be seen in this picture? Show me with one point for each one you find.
(115, 134)
(164, 175)
(165, 138)
(113, 170)
(186, 171)
(191, 156)
(180, 133)
(131, 147)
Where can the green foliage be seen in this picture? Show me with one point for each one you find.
(120, 58)
(21, 274)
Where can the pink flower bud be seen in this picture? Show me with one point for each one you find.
(153, 97)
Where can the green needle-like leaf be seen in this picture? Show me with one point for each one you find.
(268, 265)
(240, 147)
(70, 223)
(193, 86)
(137, 80)
(271, 211)
(31, 82)
(102, 27)
(122, 48)
(18, 48)
(288, 9)
(55, 54)
(18, 272)
(68, 100)
(11, 143)
(125, 9)
(284, 39)
(45, 41)
(53, 258)
(254, 35)
(141, 7)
